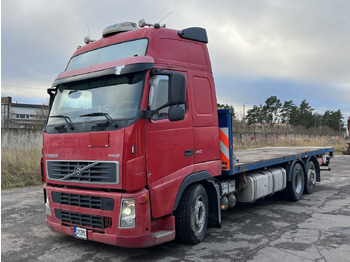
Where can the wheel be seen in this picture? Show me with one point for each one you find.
(191, 217)
(295, 187)
(310, 178)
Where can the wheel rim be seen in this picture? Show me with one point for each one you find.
(311, 175)
(298, 182)
(199, 212)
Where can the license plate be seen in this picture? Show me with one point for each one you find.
(80, 233)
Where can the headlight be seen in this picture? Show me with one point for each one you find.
(47, 205)
(127, 213)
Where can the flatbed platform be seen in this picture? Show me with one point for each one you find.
(257, 158)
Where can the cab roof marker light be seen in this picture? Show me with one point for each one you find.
(88, 40)
(142, 23)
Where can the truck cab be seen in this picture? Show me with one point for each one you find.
(128, 130)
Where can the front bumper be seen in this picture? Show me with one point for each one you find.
(144, 234)
(147, 240)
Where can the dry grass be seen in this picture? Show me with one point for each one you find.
(20, 168)
(337, 144)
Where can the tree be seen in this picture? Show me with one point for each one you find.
(287, 111)
(294, 116)
(268, 112)
(271, 109)
(318, 119)
(304, 115)
(255, 115)
(333, 120)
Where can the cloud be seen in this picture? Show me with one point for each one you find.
(294, 39)
(302, 45)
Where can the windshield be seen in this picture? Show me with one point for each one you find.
(109, 53)
(109, 99)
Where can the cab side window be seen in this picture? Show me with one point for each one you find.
(158, 96)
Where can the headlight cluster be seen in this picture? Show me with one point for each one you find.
(127, 213)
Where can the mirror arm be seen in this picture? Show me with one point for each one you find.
(157, 71)
(52, 92)
(147, 114)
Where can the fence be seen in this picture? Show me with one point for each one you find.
(13, 139)
(18, 138)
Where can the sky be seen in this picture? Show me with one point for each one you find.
(294, 50)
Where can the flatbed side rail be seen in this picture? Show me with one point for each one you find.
(257, 158)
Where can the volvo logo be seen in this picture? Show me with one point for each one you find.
(79, 170)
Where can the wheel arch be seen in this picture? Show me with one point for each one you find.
(290, 168)
(213, 192)
(317, 166)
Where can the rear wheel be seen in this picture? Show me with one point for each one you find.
(310, 178)
(191, 218)
(295, 187)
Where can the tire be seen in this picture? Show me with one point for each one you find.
(191, 217)
(295, 187)
(310, 177)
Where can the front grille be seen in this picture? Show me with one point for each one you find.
(83, 220)
(95, 202)
(83, 171)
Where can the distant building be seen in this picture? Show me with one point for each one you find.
(19, 115)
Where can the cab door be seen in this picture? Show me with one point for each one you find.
(169, 147)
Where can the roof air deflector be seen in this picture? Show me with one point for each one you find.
(194, 33)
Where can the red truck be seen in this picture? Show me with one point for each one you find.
(135, 152)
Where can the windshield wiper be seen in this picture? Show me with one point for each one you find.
(106, 115)
(66, 118)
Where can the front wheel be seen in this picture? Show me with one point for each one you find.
(191, 217)
(295, 187)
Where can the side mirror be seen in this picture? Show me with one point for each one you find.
(177, 89)
(176, 86)
(167, 90)
(176, 113)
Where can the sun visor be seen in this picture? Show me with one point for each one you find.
(132, 65)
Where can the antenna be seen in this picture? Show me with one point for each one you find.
(165, 17)
(88, 28)
(142, 22)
